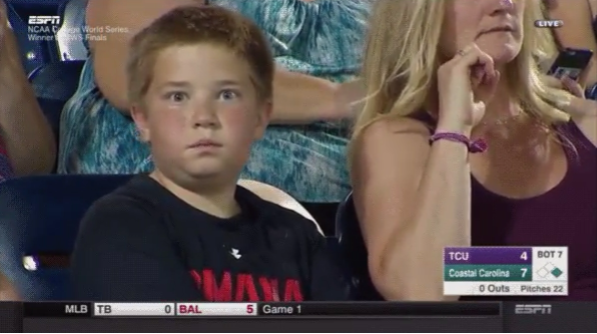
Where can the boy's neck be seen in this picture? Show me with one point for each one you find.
(216, 200)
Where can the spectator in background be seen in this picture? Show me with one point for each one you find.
(577, 32)
(316, 43)
(467, 144)
(200, 85)
(26, 135)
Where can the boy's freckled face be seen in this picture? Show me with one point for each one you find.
(202, 110)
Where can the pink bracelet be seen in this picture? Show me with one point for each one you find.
(474, 146)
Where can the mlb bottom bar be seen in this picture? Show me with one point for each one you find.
(457, 309)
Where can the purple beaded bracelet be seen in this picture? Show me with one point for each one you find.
(474, 146)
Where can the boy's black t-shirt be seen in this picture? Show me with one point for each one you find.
(142, 243)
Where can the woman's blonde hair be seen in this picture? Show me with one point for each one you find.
(402, 58)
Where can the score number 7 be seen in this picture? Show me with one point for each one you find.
(524, 256)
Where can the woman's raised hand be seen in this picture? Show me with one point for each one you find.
(465, 84)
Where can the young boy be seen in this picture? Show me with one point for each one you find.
(200, 85)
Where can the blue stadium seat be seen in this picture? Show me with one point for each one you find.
(57, 80)
(352, 247)
(39, 222)
(70, 37)
(334, 247)
(34, 53)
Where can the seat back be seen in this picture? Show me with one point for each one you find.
(352, 247)
(70, 36)
(334, 248)
(37, 47)
(39, 222)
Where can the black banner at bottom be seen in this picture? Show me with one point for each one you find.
(417, 309)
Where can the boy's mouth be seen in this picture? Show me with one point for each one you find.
(205, 143)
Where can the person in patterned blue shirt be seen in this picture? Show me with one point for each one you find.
(317, 47)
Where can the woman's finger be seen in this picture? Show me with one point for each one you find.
(573, 87)
(554, 82)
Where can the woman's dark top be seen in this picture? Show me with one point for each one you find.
(564, 216)
(142, 243)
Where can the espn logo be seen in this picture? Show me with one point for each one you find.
(532, 309)
(36, 20)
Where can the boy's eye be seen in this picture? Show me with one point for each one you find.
(176, 96)
(228, 94)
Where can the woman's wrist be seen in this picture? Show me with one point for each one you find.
(453, 127)
(473, 146)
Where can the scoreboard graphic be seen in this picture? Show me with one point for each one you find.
(506, 271)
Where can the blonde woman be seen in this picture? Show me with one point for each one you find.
(462, 143)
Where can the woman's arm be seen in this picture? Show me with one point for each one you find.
(110, 55)
(577, 31)
(25, 131)
(412, 200)
(298, 98)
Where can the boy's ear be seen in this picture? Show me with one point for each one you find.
(263, 118)
(139, 116)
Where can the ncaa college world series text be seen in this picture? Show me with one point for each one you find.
(49, 28)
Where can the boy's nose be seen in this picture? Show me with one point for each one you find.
(204, 117)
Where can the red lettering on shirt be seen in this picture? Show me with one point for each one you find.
(244, 286)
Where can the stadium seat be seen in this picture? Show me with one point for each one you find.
(70, 37)
(39, 222)
(334, 248)
(57, 80)
(352, 248)
(34, 52)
